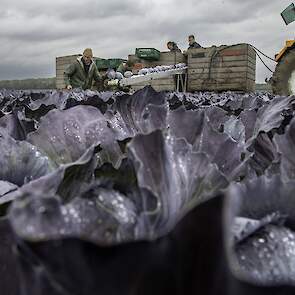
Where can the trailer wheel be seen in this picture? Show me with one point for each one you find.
(283, 80)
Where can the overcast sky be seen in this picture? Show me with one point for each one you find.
(33, 32)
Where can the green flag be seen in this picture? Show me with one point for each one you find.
(288, 14)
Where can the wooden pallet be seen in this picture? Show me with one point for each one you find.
(222, 68)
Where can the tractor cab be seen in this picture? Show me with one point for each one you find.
(283, 80)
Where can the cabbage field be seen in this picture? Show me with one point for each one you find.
(149, 193)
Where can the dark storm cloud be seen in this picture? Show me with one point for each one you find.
(69, 10)
(108, 10)
(37, 35)
(37, 32)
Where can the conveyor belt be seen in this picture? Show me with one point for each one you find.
(136, 79)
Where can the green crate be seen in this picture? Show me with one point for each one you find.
(114, 63)
(288, 14)
(102, 63)
(151, 54)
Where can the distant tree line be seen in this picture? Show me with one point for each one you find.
(40, 83)
(50, 83)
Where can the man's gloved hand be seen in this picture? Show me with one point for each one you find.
(69, 87)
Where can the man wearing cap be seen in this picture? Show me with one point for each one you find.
(82, 72)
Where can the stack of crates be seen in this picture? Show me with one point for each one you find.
(111, 63)
(222, 68)
(101, 63)
(150, 54)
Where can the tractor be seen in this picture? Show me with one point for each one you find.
(283, 79)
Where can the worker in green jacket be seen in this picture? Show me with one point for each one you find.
(82, 72)
(125, 66)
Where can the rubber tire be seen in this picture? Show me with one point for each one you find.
(283, 72)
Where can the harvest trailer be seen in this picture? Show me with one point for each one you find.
(207, 69)
(215, 69)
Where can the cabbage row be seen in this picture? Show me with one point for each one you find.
(149, 193)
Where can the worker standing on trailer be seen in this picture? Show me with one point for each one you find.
(82, 72)
(125, 66)
(192, 42)
(172, 46)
